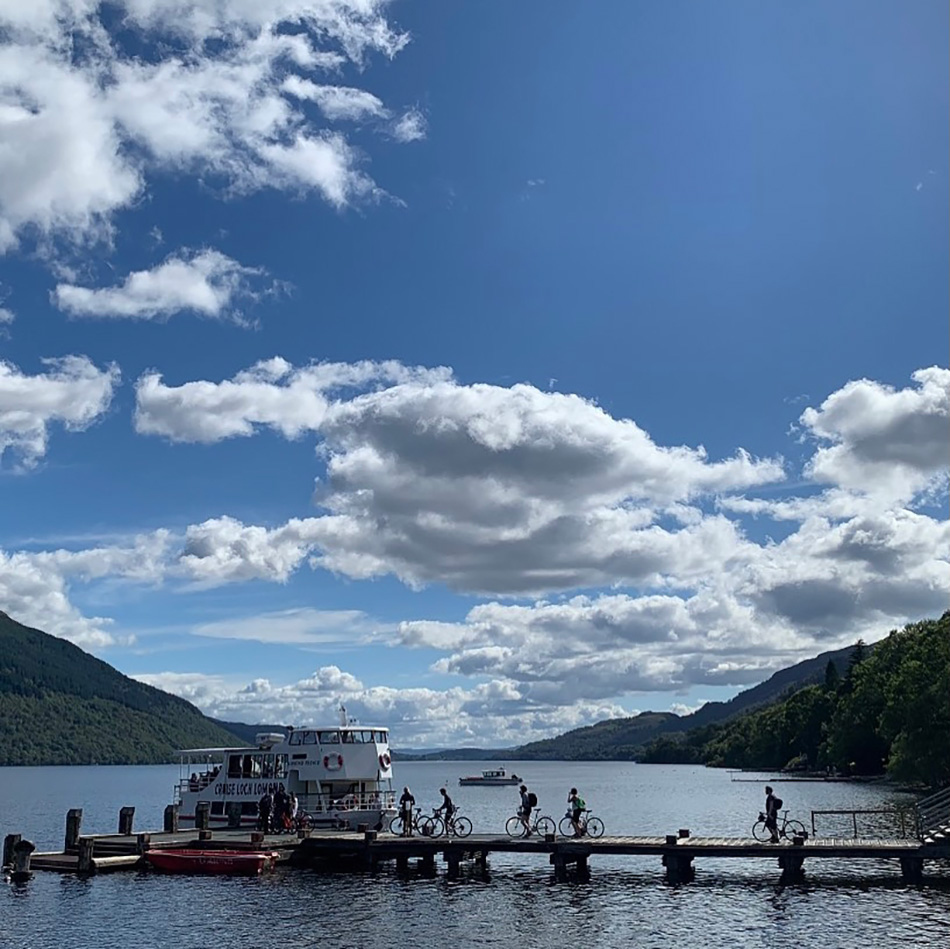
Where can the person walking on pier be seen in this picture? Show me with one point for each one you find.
(529, 800)
(406, 803)
(772, 805)
(578, 806)
(264, 806)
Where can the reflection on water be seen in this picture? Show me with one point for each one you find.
(626, 903)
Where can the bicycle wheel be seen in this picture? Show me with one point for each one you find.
(794, 828)
(463, 826)
(545, 825)
(595, 827)
(397, 826)
(431, 827)
(760, 831)
(514, 827)
(566, 827)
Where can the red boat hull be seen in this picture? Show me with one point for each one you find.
(233, 862)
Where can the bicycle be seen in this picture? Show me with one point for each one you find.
(786, 828)
(455, 826)
(587, 826)
(515, 826)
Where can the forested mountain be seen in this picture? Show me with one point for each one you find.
(59, 705)
(889, 712)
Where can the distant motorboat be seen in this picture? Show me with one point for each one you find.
(496, 777)
(213, 862)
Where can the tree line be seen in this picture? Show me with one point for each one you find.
(888, 713)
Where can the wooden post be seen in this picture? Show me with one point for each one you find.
(22, 851)
(234, 814)
(560, 867)
(679, 868)
(912, 869)
(202, 815)
(204, 834)
(452, 862)
(402, 864)
(427, 863)
(257, 837)
(171, 819)
(142, 843)
(583, 871)
(126, 814)
(369, 835)
(9, 842)
(792, 867)
(73, 827)
(84, 863)
(684, 833)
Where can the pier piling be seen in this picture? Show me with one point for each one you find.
(171, 819)
(912, 869)
(86, 846)
(233, 811)
(22, 851)
(203, 815)
(126, 816)
(73, 827)
(9, 842)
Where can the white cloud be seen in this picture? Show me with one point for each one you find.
(409, 127)
(206, 282)
(84, 123)
(491, 712)
(876, 439)
(73, 393)
(302, 626)
(6, 315)
(336, 102)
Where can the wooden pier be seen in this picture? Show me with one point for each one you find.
(368, 850)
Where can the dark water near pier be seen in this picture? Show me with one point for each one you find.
(626, 903)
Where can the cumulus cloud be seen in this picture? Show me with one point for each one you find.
(84, 120)
(490, 712)
(876, 439)
(485, 488)
(73, 392)
(206, 282)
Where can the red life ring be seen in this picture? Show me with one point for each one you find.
(384, 760)
(333, 761)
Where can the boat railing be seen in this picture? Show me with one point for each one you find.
(325, 803)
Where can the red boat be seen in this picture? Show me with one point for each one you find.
(235, 862)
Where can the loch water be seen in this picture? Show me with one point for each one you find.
(625, 903)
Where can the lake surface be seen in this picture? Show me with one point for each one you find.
(626, 902)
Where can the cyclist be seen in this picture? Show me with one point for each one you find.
(528, 800)
(406, 803)
(772, 805)
(578, 807)
(447, 807)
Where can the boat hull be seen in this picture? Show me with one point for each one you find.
(211, 862)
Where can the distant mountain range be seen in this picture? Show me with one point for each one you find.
(622, 739)
(59, 705)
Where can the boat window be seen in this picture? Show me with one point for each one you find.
(217, 807)
(296, 738)
(367, 737)
(309, 738)
(381, 737)
(346, 736)
(234, 766)
(329, 738)
(249, 807)
(280, 766)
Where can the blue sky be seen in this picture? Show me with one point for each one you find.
(495, 368)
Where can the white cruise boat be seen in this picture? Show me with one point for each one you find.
(341, 775)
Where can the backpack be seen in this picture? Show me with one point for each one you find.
(777, 802)
(580, 803)
(532, 799)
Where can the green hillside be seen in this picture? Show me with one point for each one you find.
(59, 705)
(889, 712)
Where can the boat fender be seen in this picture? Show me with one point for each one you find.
(384, 760)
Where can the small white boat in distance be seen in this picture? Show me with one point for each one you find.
(497, 777)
